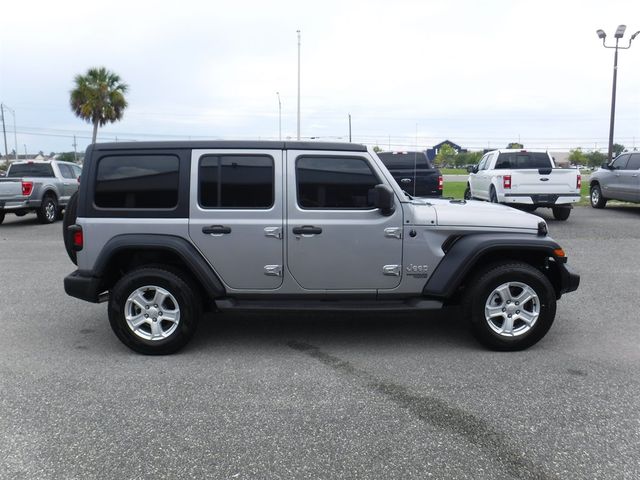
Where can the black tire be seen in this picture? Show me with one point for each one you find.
(48, 210)
(482, 291)
(69, 218)
(187, 301)
(596, 198)
(467, 193)
(20, 213)
(493, 198)
(1, 217)
(561, 213)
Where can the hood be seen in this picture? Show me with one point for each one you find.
(473, 213)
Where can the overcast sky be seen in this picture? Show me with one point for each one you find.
(409, 72)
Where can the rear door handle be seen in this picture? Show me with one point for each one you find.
(307, 230)
(216, 230)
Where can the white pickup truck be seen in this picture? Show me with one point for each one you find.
(526, 179)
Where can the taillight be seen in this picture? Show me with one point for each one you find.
(440, 182)
(77, 237)
(27, 188)
(579, 182)
(506, 182)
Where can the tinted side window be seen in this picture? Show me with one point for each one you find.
(77, 170)
(137, 181)
(30, 170)
(334, 182)
(236, 181)
(66, 171)
(620, 163)
(634, 162)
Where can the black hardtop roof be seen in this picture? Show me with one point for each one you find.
(231, 144)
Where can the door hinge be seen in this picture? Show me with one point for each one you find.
(391, 270)
(275, 232)
(393, 232)
(273, 270)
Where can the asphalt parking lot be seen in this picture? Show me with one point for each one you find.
(322, 396)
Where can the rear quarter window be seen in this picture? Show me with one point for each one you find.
(137, 182)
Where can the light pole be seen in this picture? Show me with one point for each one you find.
(618, 35)
(298, 32)
(279, 117)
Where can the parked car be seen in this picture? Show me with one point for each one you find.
(43, 187)
(619, 180)
(527, 179)
(414, 173)
(166, 230)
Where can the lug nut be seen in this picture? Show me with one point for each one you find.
(517, 311)
(159, 314)
(146, 307)
(509, 316)
(517, 303)
(146, 315)
(155, 319)
(155, 306)
(508, 301)
(504, 309)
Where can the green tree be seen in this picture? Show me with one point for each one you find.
(617, 149)
(445, 155)
(577, 157)
(377, 149)
(467, 158)
(98, 98)
(515, 145)
(67, 157)
(595, 159)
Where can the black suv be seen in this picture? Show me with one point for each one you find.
(414, 173)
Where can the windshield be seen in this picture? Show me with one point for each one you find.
(515, 160)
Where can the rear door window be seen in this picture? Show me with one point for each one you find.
(66, 171)
(236, 181)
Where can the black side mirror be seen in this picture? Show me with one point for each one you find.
(381, 197)
(472, 169)
(606, 165)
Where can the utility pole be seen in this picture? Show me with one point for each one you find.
(75, 152)
(4, 132)
(349, 128)
(298, 32)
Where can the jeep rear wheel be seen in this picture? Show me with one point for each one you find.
(154, 311)
(510, 306)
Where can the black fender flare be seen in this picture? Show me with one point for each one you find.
(192, 258)
(465, 252)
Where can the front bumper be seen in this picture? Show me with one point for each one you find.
(569, 280)
(83, 287)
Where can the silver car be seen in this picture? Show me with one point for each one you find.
(619, 180)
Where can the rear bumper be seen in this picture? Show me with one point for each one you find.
(541, 200)
(18, 204)
(83, 287)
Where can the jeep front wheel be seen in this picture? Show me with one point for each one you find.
(510, 306)
(154, 311)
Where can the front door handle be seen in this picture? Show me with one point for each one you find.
(307, 230)
(216, 230)
(405, 180)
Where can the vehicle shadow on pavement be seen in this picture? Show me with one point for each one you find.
(18, 222)
(436, 329)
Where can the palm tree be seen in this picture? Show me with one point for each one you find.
(98, 97)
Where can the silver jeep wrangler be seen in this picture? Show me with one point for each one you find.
(166, 230)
